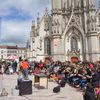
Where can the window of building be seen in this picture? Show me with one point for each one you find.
(1, 56)
(15, 51)
(1, 51)
(47, 46)
(23, 51)
(8, 51)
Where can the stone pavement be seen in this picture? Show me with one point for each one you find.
(67, 93)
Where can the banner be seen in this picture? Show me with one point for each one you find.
(74, 59)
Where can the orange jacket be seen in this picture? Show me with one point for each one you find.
(25, 65)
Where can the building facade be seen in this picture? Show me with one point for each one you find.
(72, 30)
(6, 51)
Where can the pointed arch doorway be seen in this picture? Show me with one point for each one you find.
(74, 45)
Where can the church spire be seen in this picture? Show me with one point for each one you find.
(33, 22)
(46, 12)
(38, 22)
(38, 19)
(33, 25)
(46, 20)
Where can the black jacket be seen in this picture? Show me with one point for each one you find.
(89, 94)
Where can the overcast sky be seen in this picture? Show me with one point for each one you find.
(16, 19)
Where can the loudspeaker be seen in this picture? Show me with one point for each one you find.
(25, 87)
(56, 89)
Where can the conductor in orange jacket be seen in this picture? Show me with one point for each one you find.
(25, 67)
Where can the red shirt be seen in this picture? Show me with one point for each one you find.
(40, 65)
(25, 65)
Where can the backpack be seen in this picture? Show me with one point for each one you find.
(56, 89)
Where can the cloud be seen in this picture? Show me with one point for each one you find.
(17, 16)
(15, 32)
(29, 7)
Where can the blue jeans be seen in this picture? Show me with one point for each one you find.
(83, 83)
(25, 73)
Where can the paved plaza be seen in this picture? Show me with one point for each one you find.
(67, 93)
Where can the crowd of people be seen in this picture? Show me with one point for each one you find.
(81, 75)
(11, 67)
(8, 67)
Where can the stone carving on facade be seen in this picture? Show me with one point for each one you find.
(75, 21)
(46, 24)
(33, 39)
(34, 30)
(91, 23)
(55, 11)
(88, 25)
(78, 19)
(64, 8)
(55, 26)
(40, 40)
(79, 4)
(33, 33)
(63, 23)
(52, 27)
(58, 25)
(37, 31)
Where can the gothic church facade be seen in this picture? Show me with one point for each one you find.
(72, 29)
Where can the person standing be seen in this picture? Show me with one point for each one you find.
(14, 66)
(25, 66)
(89, 93)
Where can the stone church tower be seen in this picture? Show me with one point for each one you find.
(74, 30)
